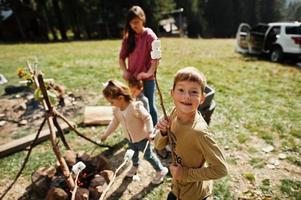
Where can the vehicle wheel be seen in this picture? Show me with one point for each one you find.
(276, 54)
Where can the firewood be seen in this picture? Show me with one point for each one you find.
(70, 157)
(82, 194)
(97, 186)
(101, 163)
(107, 174)
(41, 179)
(56, 194)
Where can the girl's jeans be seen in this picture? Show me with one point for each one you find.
(149, 88)
(149, 154)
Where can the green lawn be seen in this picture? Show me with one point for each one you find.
(258, 102)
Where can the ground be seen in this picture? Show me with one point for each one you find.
(258, 107)
(273, 166)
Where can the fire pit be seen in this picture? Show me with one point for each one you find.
(49, 183)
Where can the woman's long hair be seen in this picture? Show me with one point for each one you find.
(129, 33)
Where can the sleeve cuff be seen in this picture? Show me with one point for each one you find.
(185, 173)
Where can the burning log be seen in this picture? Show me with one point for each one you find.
(82, 194)
(90, 184)
(56, 194)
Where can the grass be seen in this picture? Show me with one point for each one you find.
(254, 97)
(291, 188)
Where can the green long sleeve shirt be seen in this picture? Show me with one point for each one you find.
(201, 158)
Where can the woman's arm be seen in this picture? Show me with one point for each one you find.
(125, 73)
(151, 70)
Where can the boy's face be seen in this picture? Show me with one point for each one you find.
(187, 96)
(135, 91)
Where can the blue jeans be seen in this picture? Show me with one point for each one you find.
(149, 154)
(149, 87)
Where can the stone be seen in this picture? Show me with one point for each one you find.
(2, 123)
(282, 156)
(268, 148)
(56, 194)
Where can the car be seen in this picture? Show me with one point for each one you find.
(277, 39)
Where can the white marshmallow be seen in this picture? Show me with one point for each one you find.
(156, 54)
(78, 167)
(128, 154)
(156, 45)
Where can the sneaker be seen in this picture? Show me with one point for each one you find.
(132, 171)
(160, 176)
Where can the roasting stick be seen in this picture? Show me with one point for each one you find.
(128, 156)
(77, 168)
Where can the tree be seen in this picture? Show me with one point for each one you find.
(60, 21)
(294, 11)
(270, 10)
(219, 16)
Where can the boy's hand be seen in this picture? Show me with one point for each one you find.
(163, 125)
(103, 137)
(176, 171)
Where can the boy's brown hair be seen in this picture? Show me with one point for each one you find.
(190, 74)
(113, 89)
(133, 82)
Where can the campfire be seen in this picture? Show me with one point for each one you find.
(91, 181)
(49, 183)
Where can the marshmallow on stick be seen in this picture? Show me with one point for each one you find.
(156, 49)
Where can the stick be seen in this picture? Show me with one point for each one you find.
(75, 188)
(55, 147)
(147, 143)
(112, 180)
(170, 138)
(61, 133)
(77, 132)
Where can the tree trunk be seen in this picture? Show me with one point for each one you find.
(59, 16)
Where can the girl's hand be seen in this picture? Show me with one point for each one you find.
(143, 75)
(163, 125)
(176, 171)
(151, 136)
(103, 137)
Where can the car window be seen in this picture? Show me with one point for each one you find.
(275, 30)
(245, 29)
(295, 30)
(260, 28)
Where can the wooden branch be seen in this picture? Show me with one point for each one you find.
(77, 132)
(49, 108)
(61, 133)
(112, 180)
(169, 134)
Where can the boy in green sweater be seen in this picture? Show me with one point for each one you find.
(197, 158)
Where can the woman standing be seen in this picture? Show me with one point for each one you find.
(136, 48)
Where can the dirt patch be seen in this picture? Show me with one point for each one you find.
(21, 114)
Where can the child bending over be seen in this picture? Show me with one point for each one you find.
(136, 88)
(197, 158)
(137, 126)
